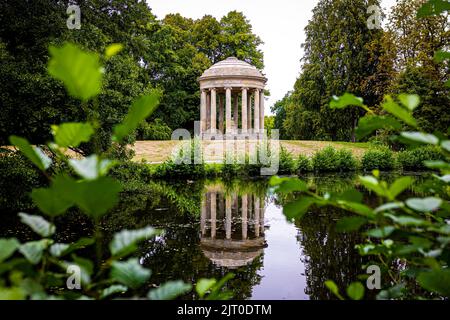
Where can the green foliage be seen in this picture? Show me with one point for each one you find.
(287, 163)
(72, 134)
(415, 159)
(85, 184)
(169, 290)
(140, 109)
(303, 164)
(155, 130)
(19, 176)
(34, 154)
(357, 60)
(411, 231)
(329, 159)
(380, 158)
(78, 70)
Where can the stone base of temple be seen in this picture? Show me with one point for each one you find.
(236, 136)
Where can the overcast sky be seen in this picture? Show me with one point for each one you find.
(280, 24)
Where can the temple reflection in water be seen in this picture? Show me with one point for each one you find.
(231, 227)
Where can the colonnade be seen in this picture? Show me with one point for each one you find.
(232, 110)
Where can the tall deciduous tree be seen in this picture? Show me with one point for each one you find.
(169, 54)
(416, 41)
(340, 54)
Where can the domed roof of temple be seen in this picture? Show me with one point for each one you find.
(232, 67)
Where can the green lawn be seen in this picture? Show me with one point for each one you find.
(159, 151)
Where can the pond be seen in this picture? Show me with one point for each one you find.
(212, 228)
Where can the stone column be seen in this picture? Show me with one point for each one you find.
(244, 110)
(263, 209)
(256, 112)
(213, 214)
(203, 217)
(221, 114)
(213, 110)
(244, 217)
(228, 110)
(256, 225)
(203, 112)
(249, 110)
(208, 111)
(261, 111)
(236, 112)
(228, 217)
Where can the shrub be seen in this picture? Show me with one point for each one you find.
(347, 161)
(155, 130)
(414, 159)
(19, 177)
(325, 160)
(381, 158)
(303, 164)
(329, 159)
(287, 163)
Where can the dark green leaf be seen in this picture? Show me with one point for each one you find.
(8, 247)
(381, 232)
(139, 111)
(424, 204)
(292, 185)
(345, 100)
(129, 273)
(433, 7)
(80, 71)
(50, 202)
(401, 113)
(125, 240)
(169, 290)
(91, 167)
(331, 285)
(72, 134)
(351, 195)
(115, 288)
(96, 197)
(33, 250)
(372, 184)
(348, 224)
(297, 208)
(203, 285)
(389, 206)
(358, 208)
(38, 224)
(420, 137)
(436, 281)
(400, 185)
(394, 292)
(355, 291)
(441, 55)
(410, 101)
(58, 249)
(34, 154)
(369, 124)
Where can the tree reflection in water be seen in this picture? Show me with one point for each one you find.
(227, 237)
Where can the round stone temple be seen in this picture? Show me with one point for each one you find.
(232, 99)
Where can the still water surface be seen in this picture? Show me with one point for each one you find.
(214, 227)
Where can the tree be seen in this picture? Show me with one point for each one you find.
(341, 54)
(279, 109)
(169, 54)
(32, 100)
(416, 41)
(238, 40)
